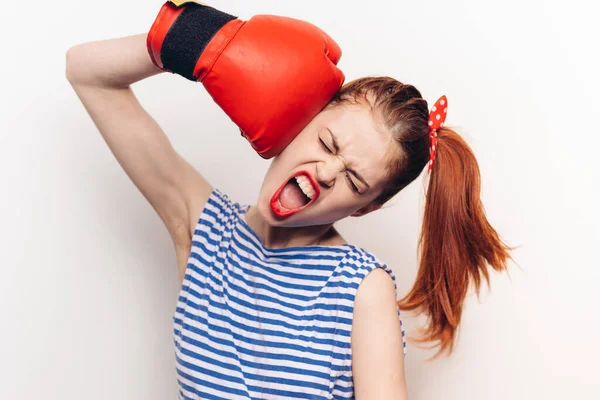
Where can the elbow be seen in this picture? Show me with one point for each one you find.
(77, 70)
(71, 65)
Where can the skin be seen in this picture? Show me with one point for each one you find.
(101, 73)
(361, 146)
(376, 339)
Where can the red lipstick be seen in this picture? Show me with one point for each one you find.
(283, 212)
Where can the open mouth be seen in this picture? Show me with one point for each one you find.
(295, 194)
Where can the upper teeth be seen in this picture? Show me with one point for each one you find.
(305, 185)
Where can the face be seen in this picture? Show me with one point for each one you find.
(362, 147)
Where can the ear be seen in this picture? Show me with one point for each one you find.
(366, 209)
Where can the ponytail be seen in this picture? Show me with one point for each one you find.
(457, 244)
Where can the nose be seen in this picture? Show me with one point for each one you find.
(328, 170)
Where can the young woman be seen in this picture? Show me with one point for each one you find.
(275, 303)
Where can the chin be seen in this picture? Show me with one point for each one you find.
(265, 212)
(264, 209)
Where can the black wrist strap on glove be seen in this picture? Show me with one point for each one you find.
(188, 36)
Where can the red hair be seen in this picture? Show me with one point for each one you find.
(457, 244)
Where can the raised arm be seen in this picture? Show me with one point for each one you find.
(101, 73)
(271, 75)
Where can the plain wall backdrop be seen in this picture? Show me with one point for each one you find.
(88, 279)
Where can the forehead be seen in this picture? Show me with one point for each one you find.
(363, 143)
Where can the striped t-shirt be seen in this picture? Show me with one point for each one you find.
(258, 323)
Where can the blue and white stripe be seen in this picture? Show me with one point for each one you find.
(258, 323)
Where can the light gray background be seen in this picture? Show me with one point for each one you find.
(88, 279)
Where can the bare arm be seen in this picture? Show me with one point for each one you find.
(377, 346)
(101, 73)
(112, 63)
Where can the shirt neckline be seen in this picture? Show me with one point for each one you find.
(286, 249)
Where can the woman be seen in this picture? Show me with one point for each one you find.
(279, 306)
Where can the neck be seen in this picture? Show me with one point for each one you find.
(276, 237)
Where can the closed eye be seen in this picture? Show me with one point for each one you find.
(351, 184)
(325, 146)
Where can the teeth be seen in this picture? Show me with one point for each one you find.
(305, 185)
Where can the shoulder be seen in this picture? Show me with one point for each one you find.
(377, 339)
(370, 274)
(218, 206)
(217, 216)
(376, 289)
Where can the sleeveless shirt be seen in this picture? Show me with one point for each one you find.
(253, 322)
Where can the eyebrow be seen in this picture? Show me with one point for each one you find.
(337, 149)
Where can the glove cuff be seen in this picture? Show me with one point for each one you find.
(179, 35)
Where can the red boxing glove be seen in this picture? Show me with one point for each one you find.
(271, 75)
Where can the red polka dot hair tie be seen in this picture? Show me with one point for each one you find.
(437, 117)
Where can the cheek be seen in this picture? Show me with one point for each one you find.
(278, 171)
(298, 148)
